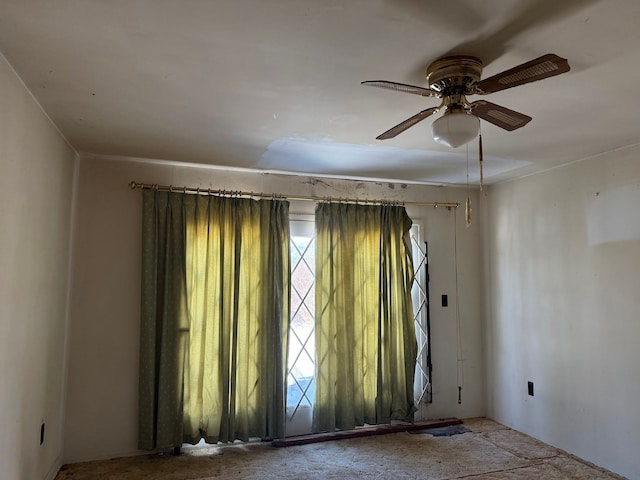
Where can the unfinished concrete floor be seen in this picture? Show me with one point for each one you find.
(488, 451)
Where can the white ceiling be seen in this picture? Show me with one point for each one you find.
(275, 84)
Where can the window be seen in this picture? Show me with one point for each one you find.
(420, 296)
(301, 365)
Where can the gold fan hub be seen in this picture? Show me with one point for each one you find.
(454, 74)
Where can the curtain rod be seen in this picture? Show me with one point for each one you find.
(237, 193)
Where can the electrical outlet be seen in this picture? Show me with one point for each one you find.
(530, 388)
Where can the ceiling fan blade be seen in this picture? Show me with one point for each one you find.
(409, 122)
(500, 116)
(543, 67)
(401, 87)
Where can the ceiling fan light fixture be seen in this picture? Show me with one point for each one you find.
(454, 129)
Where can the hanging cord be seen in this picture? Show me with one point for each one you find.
(480, 160)
(459, 359)
(467, 209)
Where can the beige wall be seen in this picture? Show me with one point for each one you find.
(36, 184)
(562, 253)
(103, 343)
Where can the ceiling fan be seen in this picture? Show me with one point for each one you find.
(452, 79)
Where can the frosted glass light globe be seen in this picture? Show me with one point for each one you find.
(455, 128)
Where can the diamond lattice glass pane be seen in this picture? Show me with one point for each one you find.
(418, 292)
(301, 345)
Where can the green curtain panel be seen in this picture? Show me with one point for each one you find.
(231, 355)
(365, 336)
(164, 320)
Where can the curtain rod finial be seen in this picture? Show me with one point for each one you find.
(133, 184)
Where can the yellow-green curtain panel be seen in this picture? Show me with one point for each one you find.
(365, 336)
(238, 291)
(231, 355)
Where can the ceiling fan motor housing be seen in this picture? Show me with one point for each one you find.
(454, 75)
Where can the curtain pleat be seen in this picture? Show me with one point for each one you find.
(365, 338)
(231, 348)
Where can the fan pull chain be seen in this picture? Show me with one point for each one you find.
(459, 346)
(481, 159)
(467, 209)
